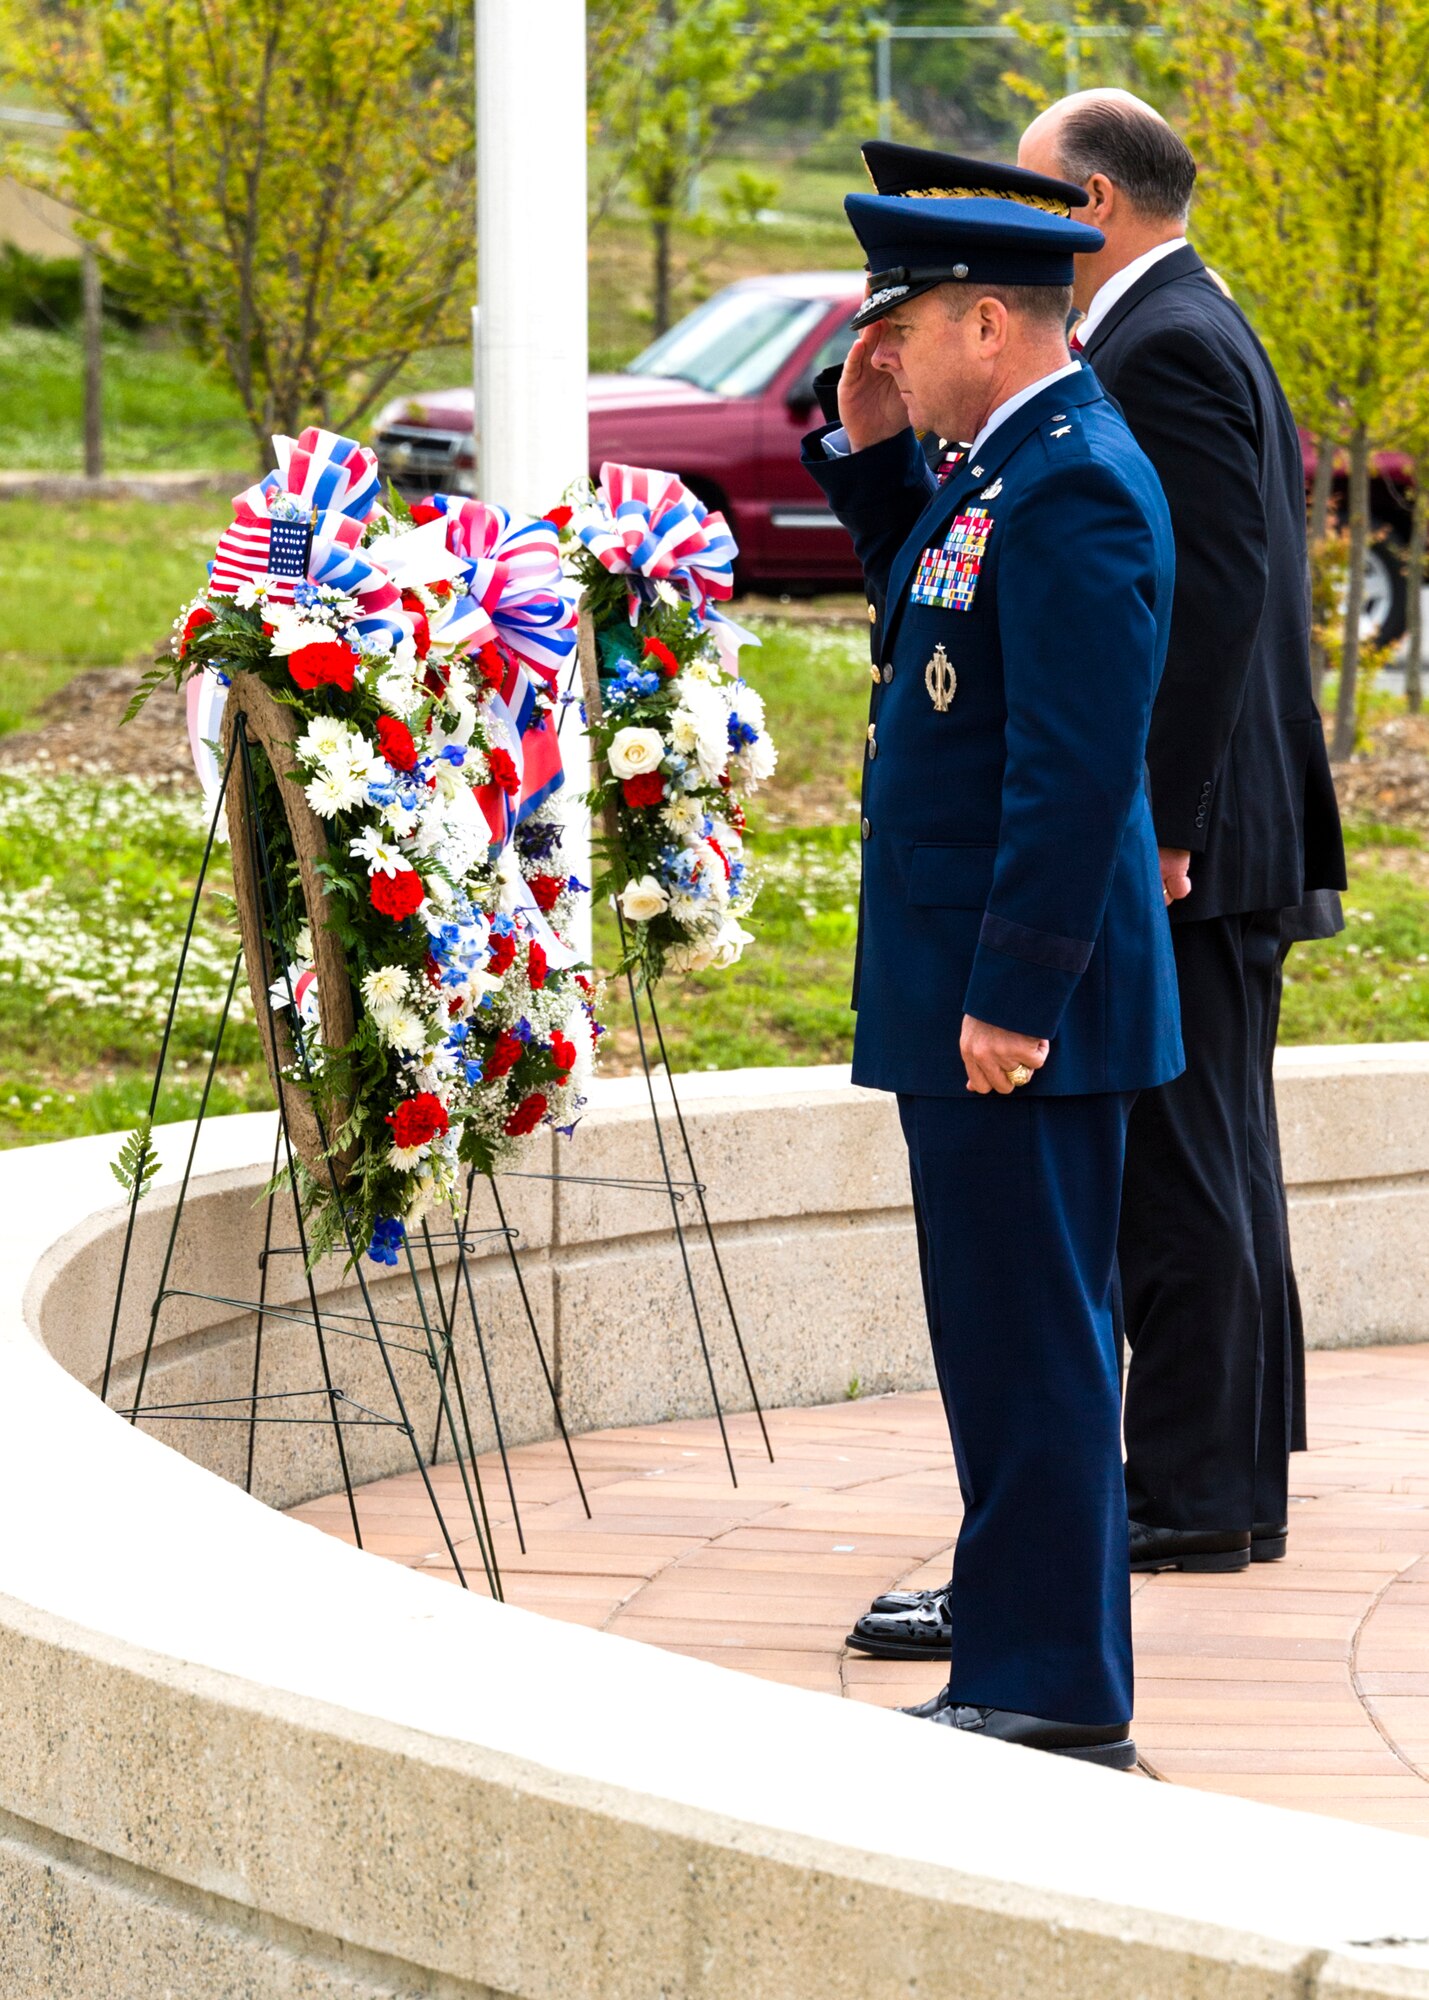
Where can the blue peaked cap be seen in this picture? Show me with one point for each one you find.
(913, 244)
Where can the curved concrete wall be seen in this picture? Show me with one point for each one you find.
(239, 1758)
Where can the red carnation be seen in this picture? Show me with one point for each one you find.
(526, 1117)
(647, 788)
(195, 622)
(563, 1053)
(656, 649)
(433, 972)
(397, 896)
(417, 1120)
(536, 967)
(421, 630)
(394, 740)
(493, 667)
(505, 1053)
(423, 511)
(326, 663)
(559, 517)
(503, 771)
(503, 953)
(547, 890)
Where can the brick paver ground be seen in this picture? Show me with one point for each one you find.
(1304, 1682)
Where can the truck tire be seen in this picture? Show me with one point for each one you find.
(1386, 594)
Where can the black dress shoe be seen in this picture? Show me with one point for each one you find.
(1188, 1548)
(1089, 1744)
(1268, 1541)
(907, 1600)
(924, 1632)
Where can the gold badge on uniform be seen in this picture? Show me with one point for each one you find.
(941, 680)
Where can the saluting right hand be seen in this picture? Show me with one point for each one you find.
(870, 407)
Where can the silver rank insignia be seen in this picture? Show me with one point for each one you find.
(941, 680)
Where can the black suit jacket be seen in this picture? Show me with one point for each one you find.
(1239, 772)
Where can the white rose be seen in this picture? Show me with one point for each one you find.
(642, 900)
(635, 750)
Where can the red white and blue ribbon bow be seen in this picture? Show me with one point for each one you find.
(649, 526)
(303, 523)
(516, 600)
(515, 591)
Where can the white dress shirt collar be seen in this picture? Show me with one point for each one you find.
(1118, 287)
(1015, 402)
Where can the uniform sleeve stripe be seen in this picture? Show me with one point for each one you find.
(1058, 954)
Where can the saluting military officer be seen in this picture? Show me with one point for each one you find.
(1016, 985)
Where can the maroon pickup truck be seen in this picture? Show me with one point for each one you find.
(723, 399)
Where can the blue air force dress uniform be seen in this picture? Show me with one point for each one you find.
(1010, 872)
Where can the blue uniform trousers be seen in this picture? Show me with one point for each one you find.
(1016, 1200)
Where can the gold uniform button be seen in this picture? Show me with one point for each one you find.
(873, 614)
(872, 727)
(873, 671)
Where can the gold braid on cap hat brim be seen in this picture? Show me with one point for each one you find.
(1044, 202)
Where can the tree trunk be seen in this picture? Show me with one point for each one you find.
(1345, 720)
(1414, 584)
(1320, 488)
(93, 364)
(660, 230)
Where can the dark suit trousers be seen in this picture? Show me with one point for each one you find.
(1203, 1250)
(1016, 1200)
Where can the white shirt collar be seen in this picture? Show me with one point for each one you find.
(1015, 402)
(1118, 287)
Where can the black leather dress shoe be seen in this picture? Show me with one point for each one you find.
(923, 1632)
(1089, 1744)
(1188, 1548)
(1268, 1541)
(907, 1600)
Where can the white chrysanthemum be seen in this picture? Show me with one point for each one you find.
(757, 760)
(397, 690)
(328, 795)
(404, 1158)
(403, 1029)
(690, 911)
(747, 703)
(291, 630)
(323, 739)
(400, 820)
(384, 988)
(684, 817)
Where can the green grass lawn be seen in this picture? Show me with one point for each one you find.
(96, 873)
(92, 584)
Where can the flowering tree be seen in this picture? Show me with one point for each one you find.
(290, 179)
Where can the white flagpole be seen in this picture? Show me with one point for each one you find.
(531, 346)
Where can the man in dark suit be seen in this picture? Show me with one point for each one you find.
(1016, 985)
(1247, 825)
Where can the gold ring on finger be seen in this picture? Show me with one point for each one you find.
(1019, 1075)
